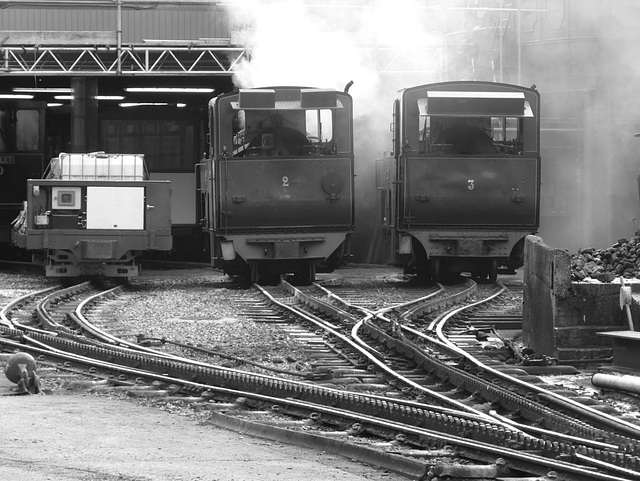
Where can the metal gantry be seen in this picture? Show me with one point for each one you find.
(128, 60)
(174, 59)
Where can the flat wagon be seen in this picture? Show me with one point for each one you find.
(93, 214)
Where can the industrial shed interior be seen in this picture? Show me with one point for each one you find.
(136, 77)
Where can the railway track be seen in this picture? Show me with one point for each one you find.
(368, 375)
(452, 358)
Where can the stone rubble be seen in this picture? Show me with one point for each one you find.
(622, 259)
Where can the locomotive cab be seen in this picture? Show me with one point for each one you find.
(462, 189)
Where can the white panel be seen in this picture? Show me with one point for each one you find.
(115, 207)
(183, 198)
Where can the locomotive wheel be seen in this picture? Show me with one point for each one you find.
(309, 276)
(306, 276)
(435, 270)
(253, 273)
(312, 272)
(493, 270)
(478, 276)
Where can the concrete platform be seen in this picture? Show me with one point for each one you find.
(626, 347)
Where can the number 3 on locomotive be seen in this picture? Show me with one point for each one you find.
(285, 181)
(470, 184)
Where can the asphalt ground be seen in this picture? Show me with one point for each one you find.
(81, 437)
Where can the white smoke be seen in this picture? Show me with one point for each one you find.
(326, 44)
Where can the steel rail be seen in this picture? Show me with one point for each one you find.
(360, 416)
(471, 288)
(460, 409)
(564, 402)
(399, 305)
(620, 468)
(380, 364)
(11, 305)
(42, 309)
(535, 463)
(545, 434)
(296, 387)
(472, 383)
(448, 315)
(371, 314)
(290, 385)
(135, 349)
(604, 448)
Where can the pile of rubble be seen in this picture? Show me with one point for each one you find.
(604, 265)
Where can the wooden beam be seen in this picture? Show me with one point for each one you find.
(10, 38)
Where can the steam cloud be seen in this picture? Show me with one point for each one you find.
(326, 44)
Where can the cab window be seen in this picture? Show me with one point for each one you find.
(286, 132)
(440, 135)
(320, 126)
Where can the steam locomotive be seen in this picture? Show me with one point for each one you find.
(278, 182)
(461, 189)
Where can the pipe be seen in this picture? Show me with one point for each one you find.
(626, 383)
(465, 471)
(119, 36)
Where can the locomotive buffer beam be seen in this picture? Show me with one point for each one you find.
(472, 245)
(282, 248)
